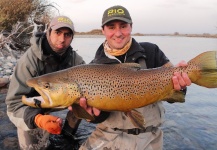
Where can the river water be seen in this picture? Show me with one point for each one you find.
(188, 126)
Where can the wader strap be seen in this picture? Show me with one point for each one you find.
(136, 131)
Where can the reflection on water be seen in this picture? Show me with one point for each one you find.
(188, 126)
(192, 125)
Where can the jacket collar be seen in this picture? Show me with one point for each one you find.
(136, 51)
(36, 41)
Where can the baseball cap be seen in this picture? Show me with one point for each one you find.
(61, 21)
(116, 13)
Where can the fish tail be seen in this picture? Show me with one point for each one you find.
(205, 73)
(175, 96)
(136, 118)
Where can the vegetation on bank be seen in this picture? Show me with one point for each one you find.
(19, 19)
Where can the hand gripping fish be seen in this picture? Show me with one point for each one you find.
(119, 87)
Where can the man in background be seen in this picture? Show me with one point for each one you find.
(49, 52)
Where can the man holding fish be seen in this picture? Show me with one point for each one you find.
(49, 52)
(117, 131)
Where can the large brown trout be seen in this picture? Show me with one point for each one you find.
(120, 87)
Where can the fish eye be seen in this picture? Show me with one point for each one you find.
(46, 85)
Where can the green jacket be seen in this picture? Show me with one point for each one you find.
(36, 61)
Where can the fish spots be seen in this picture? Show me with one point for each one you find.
(107, 84)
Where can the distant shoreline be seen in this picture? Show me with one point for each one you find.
(188, 35)
(181, 35)
(98, 33)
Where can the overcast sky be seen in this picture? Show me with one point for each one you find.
(149, 16)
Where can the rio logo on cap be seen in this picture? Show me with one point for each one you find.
(118, 12)
(65, 20)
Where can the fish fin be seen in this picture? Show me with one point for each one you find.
(175, 96)
(81, 113)
(73, 121)
(130, 65)
(136, 118)
(206, 75)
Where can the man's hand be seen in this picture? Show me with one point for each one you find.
(181, 80)
(49, 123)
(91, 110)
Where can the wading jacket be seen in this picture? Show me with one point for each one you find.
(148, 55)
(37, 60)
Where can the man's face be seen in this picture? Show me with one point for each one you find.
(117, 33)
(61, 38)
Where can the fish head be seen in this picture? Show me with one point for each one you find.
(56, 92)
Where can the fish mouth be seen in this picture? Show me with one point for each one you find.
(34, 84)
(44, 95)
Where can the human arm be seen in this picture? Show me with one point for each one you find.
(16, 110)
(22, 116)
